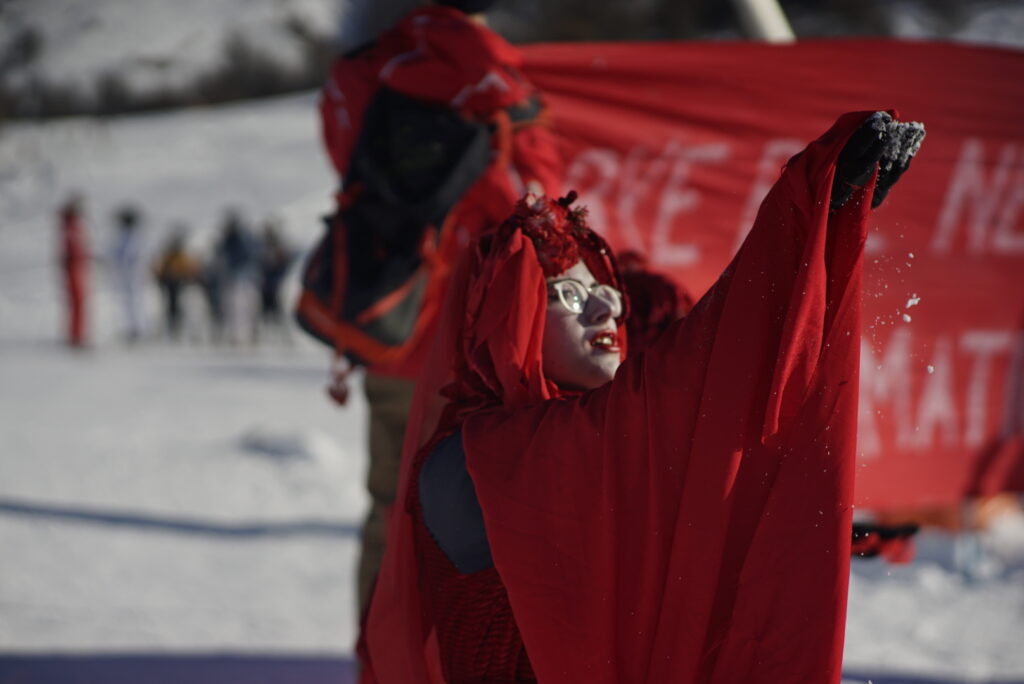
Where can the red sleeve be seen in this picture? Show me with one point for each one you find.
(690, 521)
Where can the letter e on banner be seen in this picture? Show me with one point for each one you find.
(677, 198)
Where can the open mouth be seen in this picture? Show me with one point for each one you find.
(605, 341)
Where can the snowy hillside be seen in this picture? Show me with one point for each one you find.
(157, 44)
(52, 51)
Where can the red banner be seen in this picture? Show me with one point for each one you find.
(672, 146)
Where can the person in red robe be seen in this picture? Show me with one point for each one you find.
(569, 512)
(74, 266)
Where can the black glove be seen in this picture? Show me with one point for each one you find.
(880, 140)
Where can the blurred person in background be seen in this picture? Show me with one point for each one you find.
(441, 55)
(126, 258)
(232, 275)
(73, 261)
(211, 280)
(275, 257)
(175, 270)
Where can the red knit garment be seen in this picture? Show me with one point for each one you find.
(478, 640)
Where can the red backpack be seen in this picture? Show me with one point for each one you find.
(363, 285)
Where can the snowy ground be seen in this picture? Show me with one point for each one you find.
(187, 513)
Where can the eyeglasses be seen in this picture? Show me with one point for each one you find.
(574, 295)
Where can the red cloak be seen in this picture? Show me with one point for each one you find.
(690, 520)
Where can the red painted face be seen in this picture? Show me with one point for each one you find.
(581, 348)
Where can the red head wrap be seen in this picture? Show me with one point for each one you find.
(497, 359)
(561, 237)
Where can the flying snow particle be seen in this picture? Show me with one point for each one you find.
(913, 301)
(906, 318)
(931, 369)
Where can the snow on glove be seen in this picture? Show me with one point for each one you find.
(904, 140)
(880, 141)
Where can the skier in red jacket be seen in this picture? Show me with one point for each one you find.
(74, 265)
(443, 55)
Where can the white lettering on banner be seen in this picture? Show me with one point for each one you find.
(639, 175)
(983, 345)
(990, 203)
(885, 380)
(1004, 239)
(943, 418)
(775, 154)
(623, 184)
(676, 199)
(937, 409)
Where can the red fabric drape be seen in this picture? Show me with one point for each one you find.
(689, 521)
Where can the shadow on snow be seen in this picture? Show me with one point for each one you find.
(166, 668)
(150, 523)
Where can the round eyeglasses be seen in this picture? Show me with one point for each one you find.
(574, 295)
